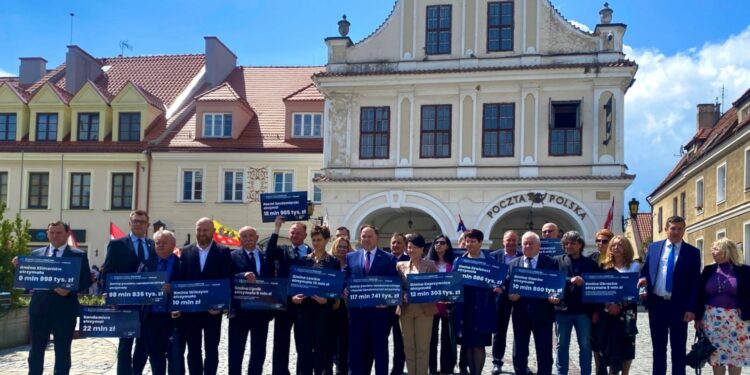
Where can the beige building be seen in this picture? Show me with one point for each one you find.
(501, 112)
(710, 185)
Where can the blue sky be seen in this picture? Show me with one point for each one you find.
(686, 49)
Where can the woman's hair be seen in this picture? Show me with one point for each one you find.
(321, 230)
(604, 232)
(448, 257)
(336, 243)
(729, 248)
(627, 252)
(416, 239)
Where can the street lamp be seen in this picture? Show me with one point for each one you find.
(158, 225)
(633, 206)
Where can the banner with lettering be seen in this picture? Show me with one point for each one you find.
(47, 272)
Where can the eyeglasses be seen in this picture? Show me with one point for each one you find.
(603, 240)
(548, 231)
(136, 221)
(441, 242)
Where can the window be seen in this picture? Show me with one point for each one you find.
(46, 127)
(745, 241)
(88, 126)
(659, 222)
(4, 187)
(317, 194)
(699, 245)
(80, 190)
(192, 185)
(130, 126)
(699, 194)
(233, 186)
(7, 126)
(438, 30)
(307, 125)
(674, 206)
(747, 169)
(500, 26)
(38, 189)
(721, 183)
(435, 141)
(682, 204)
(721, 233)
(217, 125)
(565, 129)
(497, 130)
(282, 182)
(374, 132)
(122, 191)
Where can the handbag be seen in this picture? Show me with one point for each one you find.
(700, 352)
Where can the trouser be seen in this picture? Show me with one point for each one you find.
(239, 327)
(565, 324)
(524, 324)
(131, 361)
(368, 338)
(417, 332)
(498, 339)
(312, 329)
(398, 346)
(156, 331)
(282, 332)
(202, 330)
(41, 326)
(666, 323)
(338, 340)
(447, 341)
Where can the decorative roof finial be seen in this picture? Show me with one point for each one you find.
(605, 14)
(344, 26)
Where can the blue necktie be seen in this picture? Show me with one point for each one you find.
(670, 268)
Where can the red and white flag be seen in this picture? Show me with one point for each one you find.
(115, 232)
(226, 240)
(610, 216)
(72, 242)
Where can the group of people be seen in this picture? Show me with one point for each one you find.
(332, 338)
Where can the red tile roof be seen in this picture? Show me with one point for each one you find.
(307, 93)
(222, 93)
(643, 226)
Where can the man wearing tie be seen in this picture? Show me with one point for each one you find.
(532, 315)
(125, 255)
(203, 260)
(250, 263)
(55, 311)
(505, 255)
(368, 326)
(282, 259)
(671, 277)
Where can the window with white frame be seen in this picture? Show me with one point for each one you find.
(699, 245)
(745, 241)
(721, 233)
(4, 187)
(283, 182)
(217, 125)
(233, 185)
(307, 125)
(699, 194)
(721, 183)
(122, 191)
(316, 195)
(192, 185)
(747, 169)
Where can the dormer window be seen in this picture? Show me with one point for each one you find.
(46, 127)
(7, 126)
(88, 126)
(307, 125)
(217, 125)
(130, 126)
(438, 38)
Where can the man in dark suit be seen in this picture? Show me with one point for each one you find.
(55, 311)
(248, 262)
(671, 277)
(157, 325)
(532, 315)
(505, 255)
(281, 261)
(398, 250)
(125, 255)
(368, 326)
(203, 260)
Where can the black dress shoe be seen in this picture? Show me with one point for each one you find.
(496, 370)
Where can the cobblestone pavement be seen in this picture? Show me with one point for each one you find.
(98, 356)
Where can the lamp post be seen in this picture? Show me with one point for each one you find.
(633, 208)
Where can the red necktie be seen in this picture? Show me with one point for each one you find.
(367, 262)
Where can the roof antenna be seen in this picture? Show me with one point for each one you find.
(124, 44)
(71, 27)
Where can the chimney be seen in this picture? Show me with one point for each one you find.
(708, 115)
(220, 61)
(79, 68)
(32, 69)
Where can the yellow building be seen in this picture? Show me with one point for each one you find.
(710, 185)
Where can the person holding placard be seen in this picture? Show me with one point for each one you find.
(398, 250)
(615, 335)
(530, 315)
(250, 263)
(441, 253)
(572, 312)
(505, 255)
(314, 312)
(55, 311)
(550, 230)
(339, 319)
(601, 239)
(203, 260)
(416, 319)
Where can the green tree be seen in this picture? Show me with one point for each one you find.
(14, 240)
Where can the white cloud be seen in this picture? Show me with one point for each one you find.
(4, 73)
(580, 26)
(660, 108)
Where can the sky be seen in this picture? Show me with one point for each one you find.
(687, 50)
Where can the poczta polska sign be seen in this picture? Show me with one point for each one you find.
(542, 199)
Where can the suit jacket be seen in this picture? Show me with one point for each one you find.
(404, 269)
(686, 277)
(121, 257)
(240, 265)
(280, 258)
(383, 264)
(152, 265)
(218, 263)
(743, 289)
(537, 308)
(44, 302)
(574, 294)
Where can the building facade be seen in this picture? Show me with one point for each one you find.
(500, 112)
(710, 185)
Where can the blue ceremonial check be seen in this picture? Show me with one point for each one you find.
(551, 247)
(610, 287)
(47, 272)
(107, 322)
(264, 294)
(316, 282)
(135, 288)
(292, 206)
(371, 291)
(537, 283)
(480, 272)
(199, 296)
(435, 287)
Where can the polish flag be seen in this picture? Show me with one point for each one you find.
(72, 242)
(115, 232)
(610, 216)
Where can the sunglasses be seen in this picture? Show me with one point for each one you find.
(441, 242)
(602, 241)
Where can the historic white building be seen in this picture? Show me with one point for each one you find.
(502, 112)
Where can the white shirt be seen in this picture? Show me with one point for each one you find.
(203, 254)
(256, 255)
(134, 240)
(660, 285)
(51, 250)
(534, 261)
(303, 250)
(372, 259)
